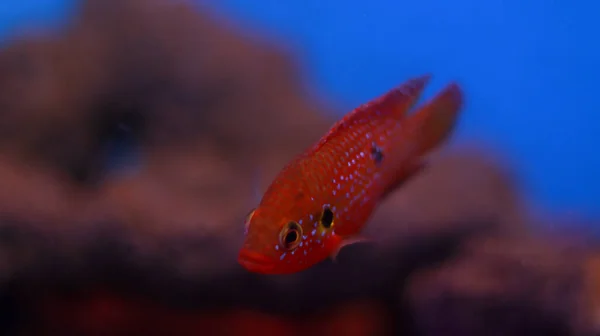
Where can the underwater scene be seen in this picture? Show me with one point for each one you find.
(197, 167)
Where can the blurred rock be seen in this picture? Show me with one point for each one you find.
(519, 286)
(172, 76)
(463, 185)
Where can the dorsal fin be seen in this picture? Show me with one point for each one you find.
(394, 104)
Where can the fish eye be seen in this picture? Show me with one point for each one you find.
(326, 217)
(248, 219)
(290, 235)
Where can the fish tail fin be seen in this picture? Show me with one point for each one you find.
(427, 128)
(434, 122)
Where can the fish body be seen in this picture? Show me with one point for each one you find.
(322, 199)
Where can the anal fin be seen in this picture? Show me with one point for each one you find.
(404, 175)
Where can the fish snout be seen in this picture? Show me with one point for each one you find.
(255, 261)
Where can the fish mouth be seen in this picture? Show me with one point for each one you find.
(255, 262)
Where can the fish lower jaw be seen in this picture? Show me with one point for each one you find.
(255, 262)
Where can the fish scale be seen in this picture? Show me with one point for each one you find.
(353, 177)
(364, 156)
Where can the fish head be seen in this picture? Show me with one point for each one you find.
(287, 239)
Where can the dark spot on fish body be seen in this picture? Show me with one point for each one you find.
(326, 218)
(299, 196)
(376, 154)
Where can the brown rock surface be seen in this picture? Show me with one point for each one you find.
(516, 286)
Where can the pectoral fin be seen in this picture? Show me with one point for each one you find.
(346, 242)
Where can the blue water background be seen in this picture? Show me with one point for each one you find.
(530, 70)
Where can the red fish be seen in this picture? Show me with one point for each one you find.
(321, 200)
